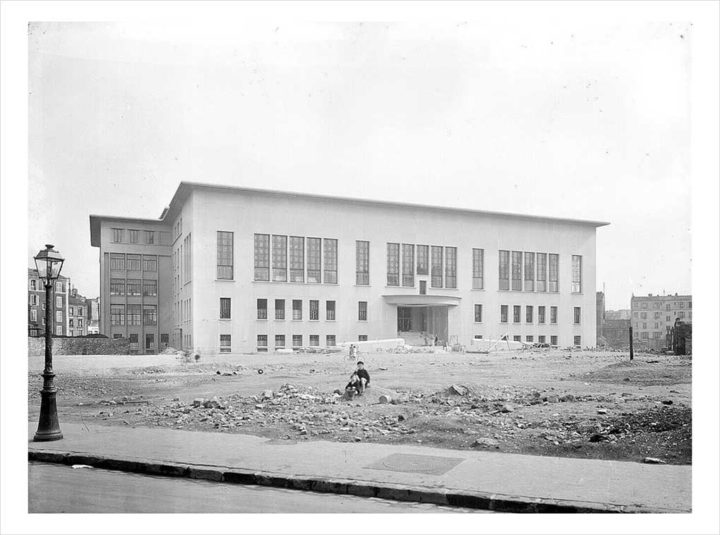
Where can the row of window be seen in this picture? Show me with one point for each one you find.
(281, 259)
(297, 309)
(432, 258)
(658, 325)
(80, 311)
(133, 236)
(658, 305)
(133, 262)
(542, 339)
(280, 341)
(529, 314)
(118, 314)
(658, 315)
(35, 285)
(134, 287)
(535, 272)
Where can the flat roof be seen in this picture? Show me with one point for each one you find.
(186, 188)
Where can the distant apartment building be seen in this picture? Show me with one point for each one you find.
(36, 305)
(622, 314)
(653, 317)
(78, 314)
(230, 269)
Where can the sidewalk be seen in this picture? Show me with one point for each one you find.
(484, 480)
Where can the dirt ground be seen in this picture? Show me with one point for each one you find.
(539, 402)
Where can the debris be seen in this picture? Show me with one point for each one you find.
(458, 390)
(507, 408)
(267, 394)
(385, 399)
(76, 466)
(597, 437)
(602, 411)
(667, 402)
(197, 402)
(653, 460)
(489, 442)
(401, 417)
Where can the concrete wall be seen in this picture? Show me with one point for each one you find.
(247, 213)
(79, 346)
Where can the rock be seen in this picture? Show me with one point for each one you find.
(267, 394)
(458, 390)
(602, 411)
(597, 437)
(218, 372)
(357, 439)
(553, 399)
(567, 397)
(197, 402)
(653, 460)
(507, 408)
(385, 399)
(401, 417)
(259, 406)
(667, 402)
(486, 442)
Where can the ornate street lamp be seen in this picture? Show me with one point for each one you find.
(48, 263)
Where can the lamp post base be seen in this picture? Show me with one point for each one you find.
(49, 426)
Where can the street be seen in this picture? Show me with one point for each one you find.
(61, 489)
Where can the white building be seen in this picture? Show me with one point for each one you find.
(244, 270)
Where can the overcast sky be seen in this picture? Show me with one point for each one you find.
(570, 120)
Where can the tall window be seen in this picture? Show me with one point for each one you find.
(262, 343)
(331, 262)
(330, 340)
(225, 308)
(133, 262)
(279, 258)
(393, 264)
(362, 310)
(118, 235)
(504, 270)
(133, 235)
(297, 259)
(553, 272)
(314, 246)
(117, 286)
(436, 267)
(262, 257)
(150, 288)
(362, 263)
(33, 315)
(279, 341)
(577, 274)
(408, 264)
(576, 315)
(450, 267)
(315, 340)
(133, 314)
(576, 340)
(478, 261)
(516, 270)
(553, 314)
(528, 314)
(297, 340)
(59, 316)
(133, 287)
(478, 313)
(150, 262)
(279, 309)
(541, 272)
(149, 237)
(314, 309)
(529, 272)
(262, 309)
(117, 262)
(503, 313)
(516, 314)
(149, 315)
(117, 314)
(33, 285)
(330, 310)
(225, 343)
(422, 259)
(541, 314)
(297, 309)
(58, 301)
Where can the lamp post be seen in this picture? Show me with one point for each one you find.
(48, 263)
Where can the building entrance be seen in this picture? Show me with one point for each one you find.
(420, 325)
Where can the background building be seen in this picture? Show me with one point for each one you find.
(237, 270)
(93, 314)
(36, 305)
(78, 314)
(653, 317)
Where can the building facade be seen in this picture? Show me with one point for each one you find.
(243, 270)
(93, 314)
(36, 305)
(78, 314)
(653, 317)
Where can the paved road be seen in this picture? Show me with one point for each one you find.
(61, 489)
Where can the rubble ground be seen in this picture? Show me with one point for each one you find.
(587, 404)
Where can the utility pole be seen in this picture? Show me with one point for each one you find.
(631, 343)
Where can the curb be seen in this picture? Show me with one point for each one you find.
(474, 500)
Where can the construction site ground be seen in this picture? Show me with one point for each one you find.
(586, 404)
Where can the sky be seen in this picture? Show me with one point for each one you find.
(578, 120)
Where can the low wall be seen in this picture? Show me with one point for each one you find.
(80, 346)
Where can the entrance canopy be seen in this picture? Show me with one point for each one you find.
(413, 300)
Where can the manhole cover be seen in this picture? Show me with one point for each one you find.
(418, 464)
